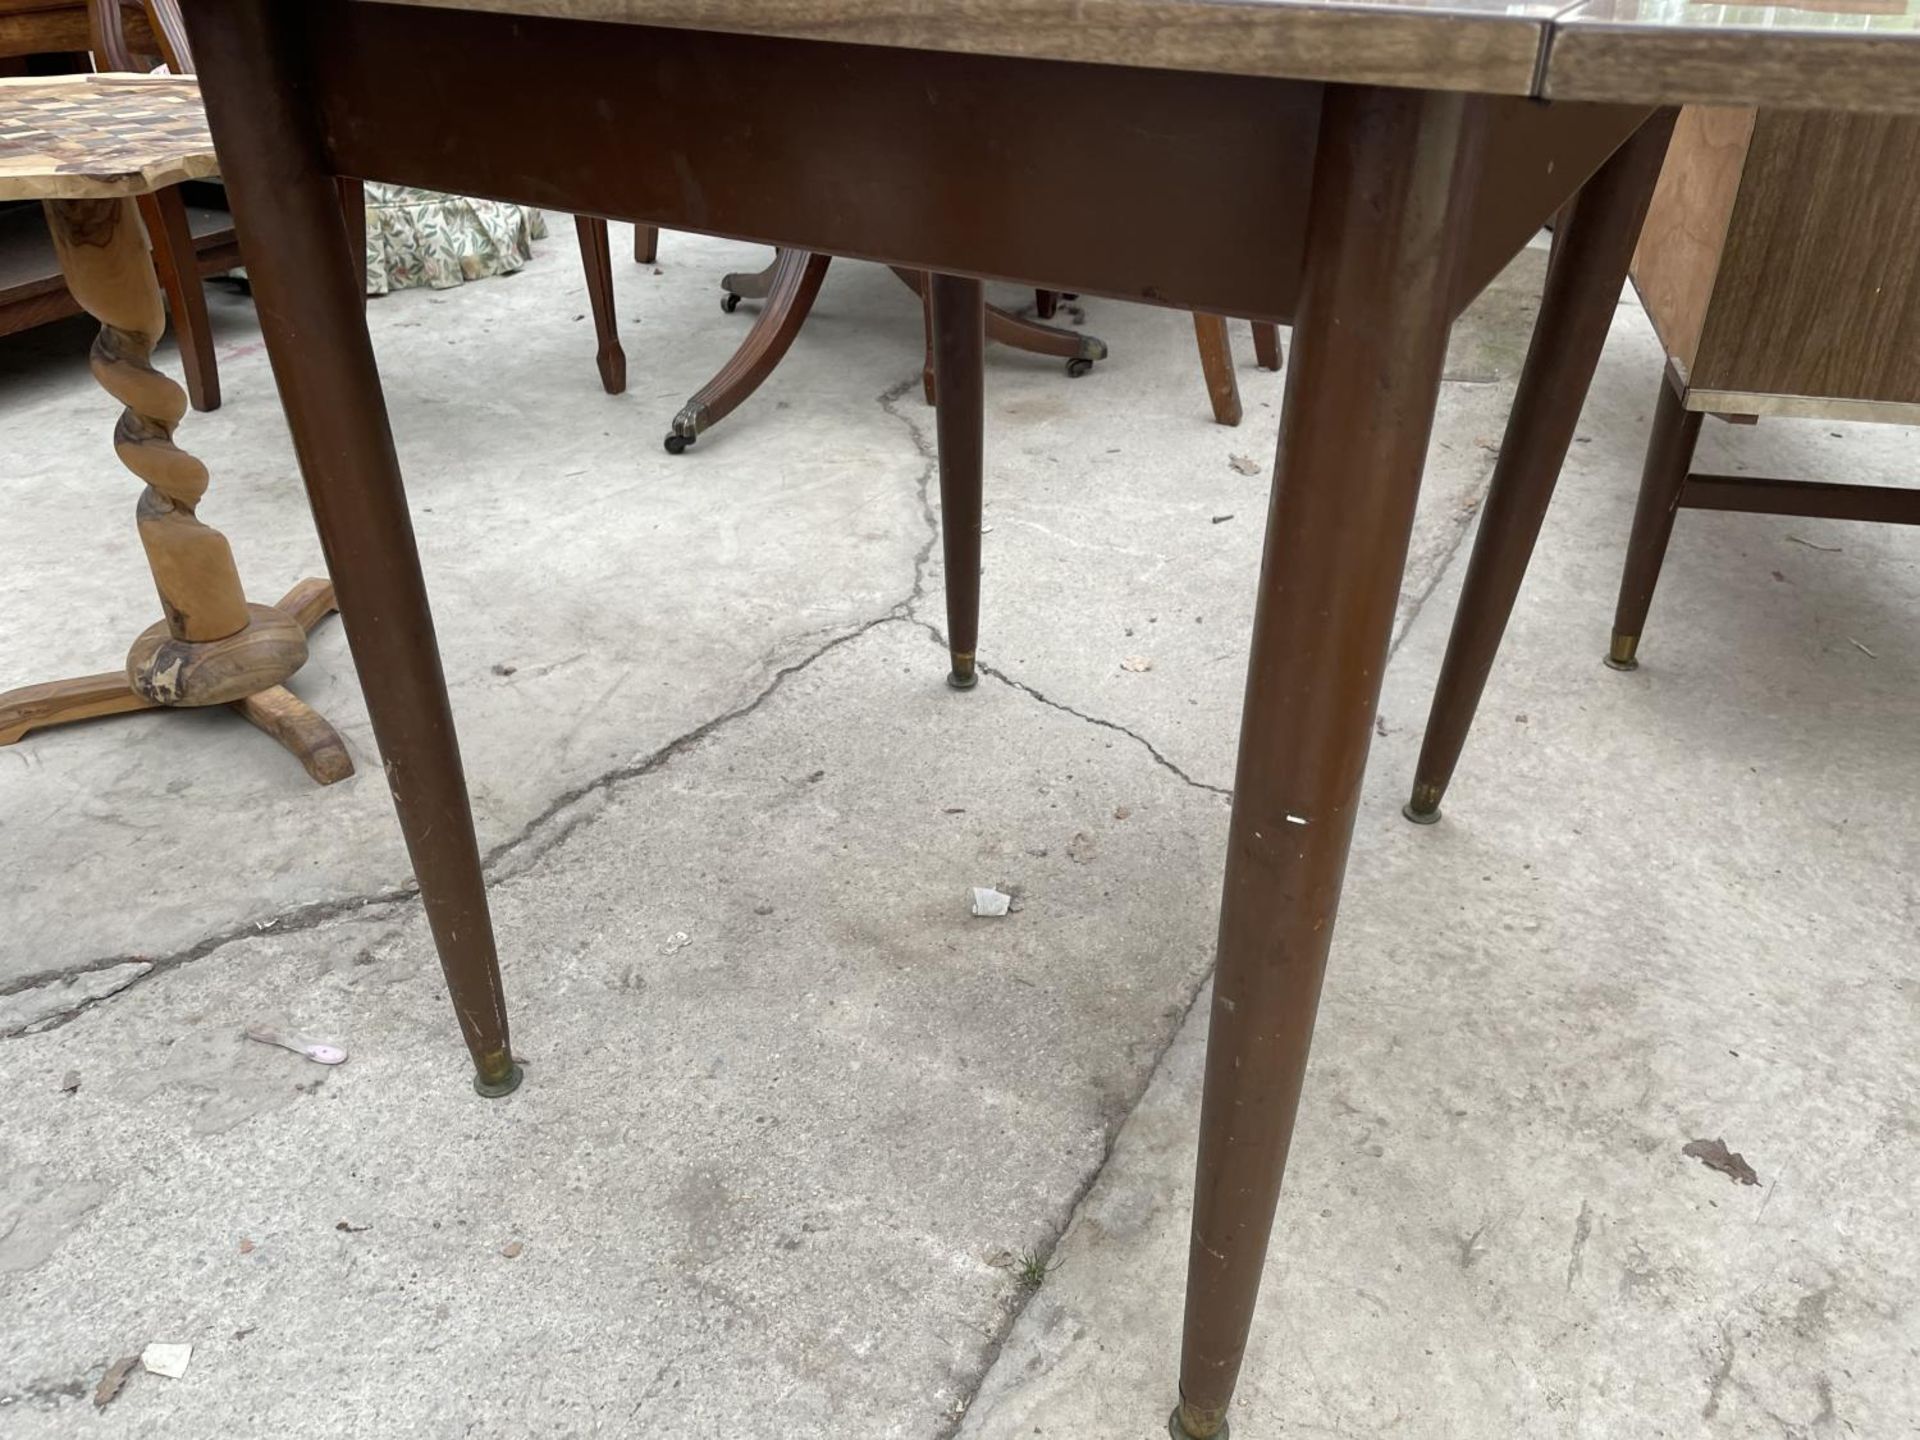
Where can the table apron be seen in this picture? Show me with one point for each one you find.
(1134, 183)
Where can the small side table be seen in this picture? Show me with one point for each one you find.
(88, 146)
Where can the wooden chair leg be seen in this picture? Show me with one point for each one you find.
(176, 261)
(1266, 345)
(1388, 215)
(646, 244)
(1676, 430)
(796, 281)
(596, 258)
(1046, 303)
(1593, 243)
(353, 209)
(958, 310)
(287, 212)
(1216, 364)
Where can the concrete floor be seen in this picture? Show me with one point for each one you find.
(793, 1118)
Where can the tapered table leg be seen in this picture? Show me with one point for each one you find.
(958, 316)
(1393, 181)
(1592, 245)
(289, 221)
(1670, 444)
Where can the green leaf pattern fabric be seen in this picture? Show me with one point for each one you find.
(422, 237)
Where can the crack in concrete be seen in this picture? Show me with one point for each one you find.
(546, 831)
(889, 401)
(45, 1394)
(1159, 759)
(514, 855)
(287, 922)
(529, 846)
(997, 1343)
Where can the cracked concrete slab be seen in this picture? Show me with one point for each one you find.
(789, 1104)
(1661, 907)
(795, 1120)
(596, 598)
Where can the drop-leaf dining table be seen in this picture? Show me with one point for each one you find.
(1359, 171)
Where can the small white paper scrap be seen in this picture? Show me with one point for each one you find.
(160, 1358)
(990, 903)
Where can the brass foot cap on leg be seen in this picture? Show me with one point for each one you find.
(1620, 654)
(506, 1084)
(962, 676)
(1424, 807)
(1180, 1432)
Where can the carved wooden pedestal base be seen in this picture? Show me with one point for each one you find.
(213, 647)
(272, 707)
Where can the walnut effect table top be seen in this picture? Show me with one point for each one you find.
(1820, 54)
(80, 137)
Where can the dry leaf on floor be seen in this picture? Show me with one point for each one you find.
(1245, 464)
(1715, 1156)
(1138, 664)
(512, 1249)
(112, 1382)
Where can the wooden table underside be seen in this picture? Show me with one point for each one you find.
(1197, 164)
(1366, 217)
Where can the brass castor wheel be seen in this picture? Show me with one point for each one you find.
(729, 302)
(1078, 366)
(677, 443)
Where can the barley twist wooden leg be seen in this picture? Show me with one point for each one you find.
(213, 647)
